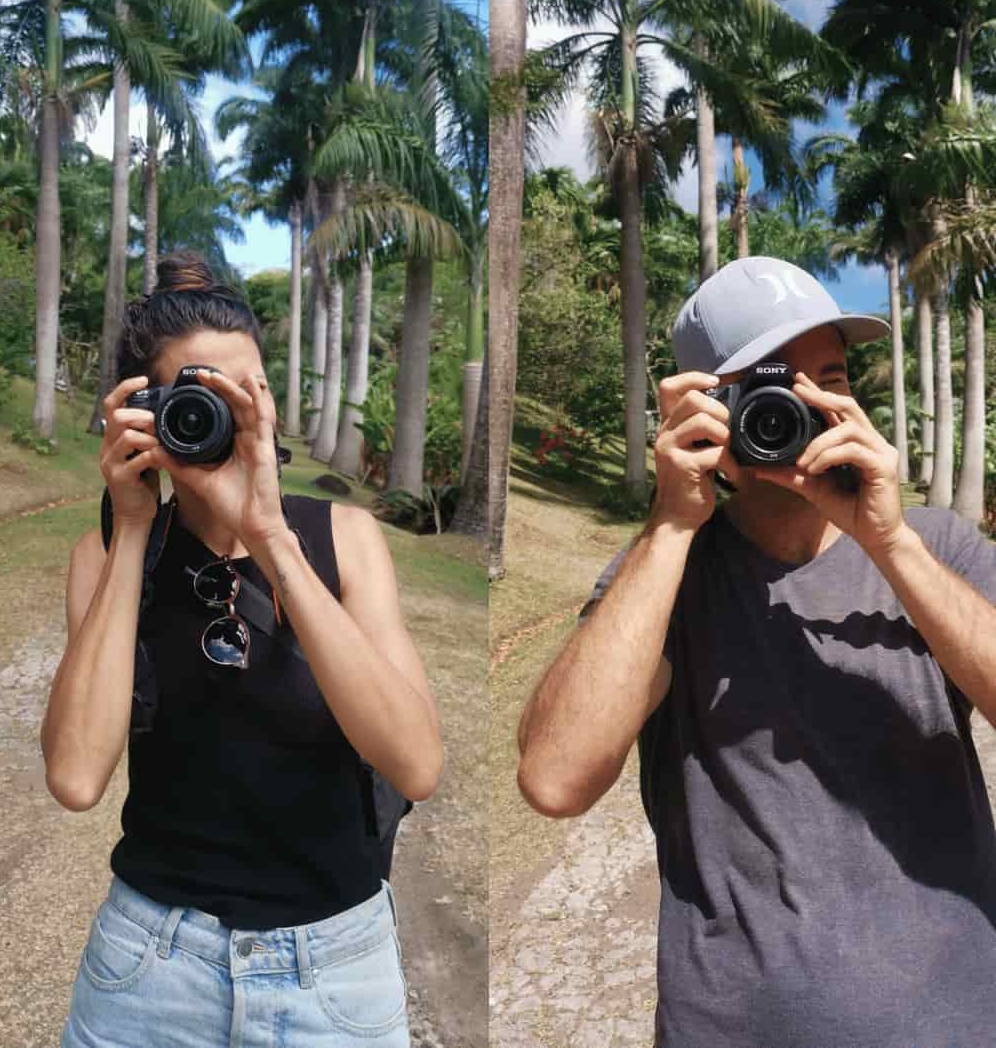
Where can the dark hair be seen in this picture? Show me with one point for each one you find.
(186, 298)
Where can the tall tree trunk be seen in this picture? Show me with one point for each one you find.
(942, 479)
(292, 412)
(925, 359)
(473, 376)
(634, 328)
(505, 178)
(114, 292)
(898, 369)
(349, 446)
(471, 515)
(411, 389)
(475, 352)
(324, 444)
(48, 244)
(969, 498)
(150, 180)
(705, 149)
(738, 217)
(319, 339)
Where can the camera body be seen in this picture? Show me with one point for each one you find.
(769, 424)
(194, 424)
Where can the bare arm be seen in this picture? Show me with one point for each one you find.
(86, 722)
(957, 622)
(589, 708)
(360, 652)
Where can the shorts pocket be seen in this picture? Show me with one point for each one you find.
(118, 951)
(366, 993)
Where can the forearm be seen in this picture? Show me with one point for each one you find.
(957, 622)
(388, 721)
(89, 708)
(587, 711)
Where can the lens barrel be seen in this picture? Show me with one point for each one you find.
(195, 425)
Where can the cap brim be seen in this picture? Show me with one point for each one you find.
(854, 327)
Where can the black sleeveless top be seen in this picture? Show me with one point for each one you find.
(245, 798)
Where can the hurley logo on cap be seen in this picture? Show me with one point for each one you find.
(786, 280)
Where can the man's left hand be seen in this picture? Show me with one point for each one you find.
(873, 515)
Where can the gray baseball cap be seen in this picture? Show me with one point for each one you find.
(754, 306)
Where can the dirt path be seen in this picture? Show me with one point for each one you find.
(54, 864)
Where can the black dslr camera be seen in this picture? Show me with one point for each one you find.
(769, 424)
(192, 423)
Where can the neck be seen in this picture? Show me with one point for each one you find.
(195, 515)
(780, 522)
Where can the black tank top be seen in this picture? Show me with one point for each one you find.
(245, 798)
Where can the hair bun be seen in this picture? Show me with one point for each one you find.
(183, 271)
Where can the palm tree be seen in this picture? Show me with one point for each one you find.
(753, 69)
(274, 158)
(48, 250)
(634, 150)
(506, 151)
(126, 34)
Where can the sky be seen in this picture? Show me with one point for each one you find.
(266, 246)
(860, 289)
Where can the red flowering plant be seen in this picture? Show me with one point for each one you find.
(561, 449)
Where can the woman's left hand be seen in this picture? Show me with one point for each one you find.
(244, 490)
(873, 515)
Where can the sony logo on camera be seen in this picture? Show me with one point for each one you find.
(777, 369)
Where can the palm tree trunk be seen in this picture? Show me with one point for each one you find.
(705, 148)
(925, 358)
(411, 389)
(292, 413)
(634, 328)
(898, 369)
(114, 292)
(506, 175)
(151, 183)
(475, 352)
(471, 514)
(319, 339)
(738, 218)
(473, 376)
(349, 445)
(969, 497)
(324, 445)
(941, 481)
(48, 247)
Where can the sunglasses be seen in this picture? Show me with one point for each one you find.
(225, 641)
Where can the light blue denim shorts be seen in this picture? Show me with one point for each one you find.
(155, 976)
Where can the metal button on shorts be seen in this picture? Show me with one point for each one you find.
(244, 948)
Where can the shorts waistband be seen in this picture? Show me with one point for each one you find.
(303, 949)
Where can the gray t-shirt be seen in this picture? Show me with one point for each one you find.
(825, 842)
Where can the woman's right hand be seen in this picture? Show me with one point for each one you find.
(130, 446)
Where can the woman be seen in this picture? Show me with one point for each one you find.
(246, 905)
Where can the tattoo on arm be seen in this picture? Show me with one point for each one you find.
(281, 582)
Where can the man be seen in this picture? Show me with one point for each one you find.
(799, 666)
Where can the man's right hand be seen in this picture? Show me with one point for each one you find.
(686, 492)
(129, 447)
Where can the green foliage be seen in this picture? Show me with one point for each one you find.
(430, 514)
(17, 305)
(23, 433)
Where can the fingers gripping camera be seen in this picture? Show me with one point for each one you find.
(192, 423)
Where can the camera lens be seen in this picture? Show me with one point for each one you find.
(193, 425)
(196, 425)
(771, 427)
